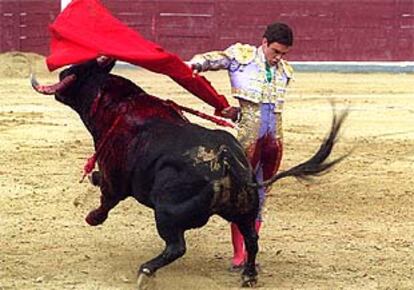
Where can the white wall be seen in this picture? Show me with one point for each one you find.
(63, 4)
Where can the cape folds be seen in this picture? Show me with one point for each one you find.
(85, 29)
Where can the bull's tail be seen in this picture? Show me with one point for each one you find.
(317, 164)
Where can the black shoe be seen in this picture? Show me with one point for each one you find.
(236, 268)
(239, 268)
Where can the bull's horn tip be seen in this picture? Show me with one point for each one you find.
(33, 80)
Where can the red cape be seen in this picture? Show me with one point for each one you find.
(86, 29)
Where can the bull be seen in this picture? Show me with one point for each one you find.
(148, 150)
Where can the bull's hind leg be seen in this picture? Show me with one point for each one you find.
(249, 275)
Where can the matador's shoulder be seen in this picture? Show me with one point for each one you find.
(287, 68)
(242, 53)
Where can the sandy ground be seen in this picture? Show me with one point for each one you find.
(350, 229)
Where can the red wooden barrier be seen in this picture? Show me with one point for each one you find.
(23, 24)
(325, 30)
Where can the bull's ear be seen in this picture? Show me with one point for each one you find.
(110, 66)
(106, 63)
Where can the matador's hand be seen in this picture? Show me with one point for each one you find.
(232, 113)
(195, 67)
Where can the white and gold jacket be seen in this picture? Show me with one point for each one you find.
(246, 66)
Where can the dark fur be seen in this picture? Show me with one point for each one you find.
(185, 172)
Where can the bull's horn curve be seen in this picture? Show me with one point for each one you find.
(52, 89)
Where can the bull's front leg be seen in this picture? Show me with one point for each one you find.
(100, 214)
(95, 178)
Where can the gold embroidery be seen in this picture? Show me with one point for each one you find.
(243, 53)
(287, 68)
(249, 126)
(214, 60)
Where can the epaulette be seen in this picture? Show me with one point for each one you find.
(243, 53)
(287, 68)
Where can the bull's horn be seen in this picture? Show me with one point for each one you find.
(52, 89)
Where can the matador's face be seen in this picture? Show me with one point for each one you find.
(274, 51)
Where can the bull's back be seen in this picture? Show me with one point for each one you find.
(179, 138)
(187, 146)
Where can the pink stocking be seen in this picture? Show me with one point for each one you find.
(239, 252)
(238, 246)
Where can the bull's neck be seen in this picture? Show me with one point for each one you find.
(97, 120)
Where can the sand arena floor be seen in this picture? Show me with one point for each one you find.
(351, 229)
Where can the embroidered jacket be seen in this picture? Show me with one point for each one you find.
(246, 66)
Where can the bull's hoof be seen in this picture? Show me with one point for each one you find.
(145, 280)
(95, 178)
(96, 217)
(249, 281)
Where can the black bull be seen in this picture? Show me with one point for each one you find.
(186, 173)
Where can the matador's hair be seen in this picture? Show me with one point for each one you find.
(279, 32)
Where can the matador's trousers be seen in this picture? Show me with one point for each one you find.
(260, 133)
